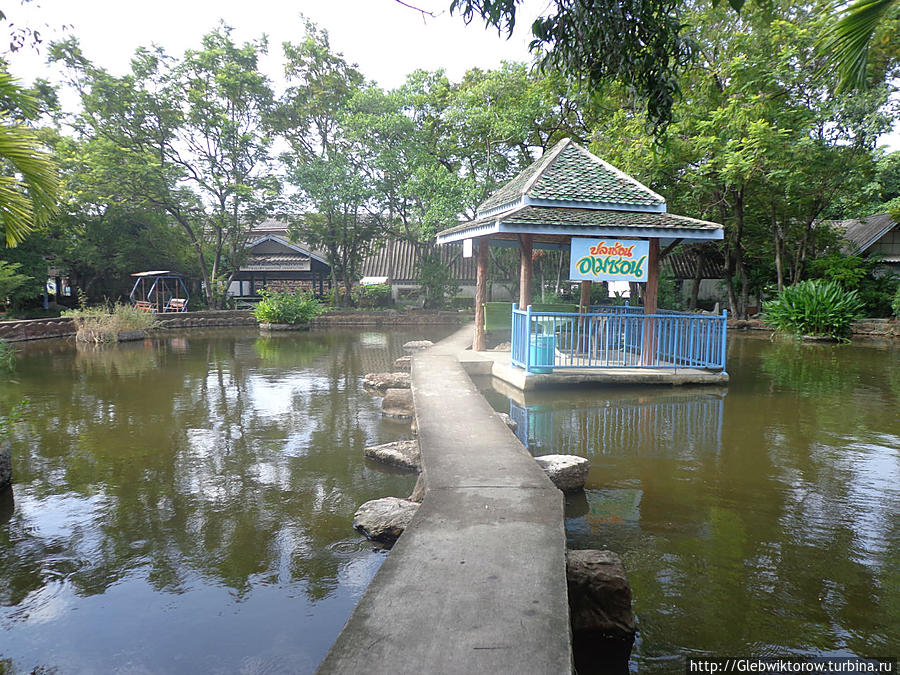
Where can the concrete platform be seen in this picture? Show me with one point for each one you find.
(477, 583)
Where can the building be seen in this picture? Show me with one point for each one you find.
(877, 235)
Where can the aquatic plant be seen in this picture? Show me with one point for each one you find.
(814, 307)
(7, 357)
(103, 323)
(289, 308)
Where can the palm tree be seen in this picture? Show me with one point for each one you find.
(845, 43)
(28, 178)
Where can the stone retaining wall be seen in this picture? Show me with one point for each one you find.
(867, 327)
(41, 329)
(391, 317)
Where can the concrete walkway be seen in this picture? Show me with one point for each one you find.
(477, 583)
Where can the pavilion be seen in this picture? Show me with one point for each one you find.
(572, 199)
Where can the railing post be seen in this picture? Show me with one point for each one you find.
(724, 335)
(528, 339)
(513, 342)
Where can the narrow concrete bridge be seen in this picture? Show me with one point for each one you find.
(477, 582)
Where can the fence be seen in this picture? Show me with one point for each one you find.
(616, 337)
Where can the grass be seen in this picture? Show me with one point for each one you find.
(104, 323)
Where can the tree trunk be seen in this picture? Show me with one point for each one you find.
(698, 277)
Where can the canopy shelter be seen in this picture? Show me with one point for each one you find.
(567, 194)
(159, 291)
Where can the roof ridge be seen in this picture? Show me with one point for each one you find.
(550, 156)
(618, 172)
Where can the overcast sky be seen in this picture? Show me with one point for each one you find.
(386, 39)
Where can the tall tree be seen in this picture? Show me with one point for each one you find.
(336, 187)
(186, 136)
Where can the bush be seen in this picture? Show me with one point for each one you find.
(437, 281)
(374, 295)
(289, 308)
(895, 305)
(104, 322)
(814, 307)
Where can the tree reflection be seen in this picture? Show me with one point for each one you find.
(237, 460)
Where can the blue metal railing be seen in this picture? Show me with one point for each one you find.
(621, 338)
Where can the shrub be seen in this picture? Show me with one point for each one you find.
(895, 305)
(289, 308)
(437, 280)
(374, 295)
(814, 307)
(104, 323)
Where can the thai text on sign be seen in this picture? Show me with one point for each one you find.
(608, 260)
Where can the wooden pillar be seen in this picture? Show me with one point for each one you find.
(526, 242)
(584, 306)
(484, 247)
(651, 295)
(585, 303)
(651, 292)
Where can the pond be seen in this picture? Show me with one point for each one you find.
(761, 519)
(184, 504)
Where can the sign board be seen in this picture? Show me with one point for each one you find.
(51, 287)
(467, 248)
(608, 259)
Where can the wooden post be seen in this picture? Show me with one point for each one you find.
(651, 295)
(585, 303)
(651, 292)
(525, 263)
(584, 306)
(484, 246)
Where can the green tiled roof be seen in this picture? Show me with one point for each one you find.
(573, 219)
(568, 172)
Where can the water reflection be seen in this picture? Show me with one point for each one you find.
(187, 500)
(761, 522)
(668, 421)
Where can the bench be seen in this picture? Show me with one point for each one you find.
(143, 305)
(176, 305)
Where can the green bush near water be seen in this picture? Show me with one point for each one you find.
(814, 307)
(289, 308)
(895, 304)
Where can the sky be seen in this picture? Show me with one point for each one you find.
(385, 38)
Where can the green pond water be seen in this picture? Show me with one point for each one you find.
(761, 519)
(184, 504)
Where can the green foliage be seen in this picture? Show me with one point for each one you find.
(895, 304)
(814, 307)
(28, 180)
(185, 137)
(289, 308)
(374, 295)
(847, 41)
(436, 280)
(638, 44)
(13, 285)
(855, 273)
(103, 323)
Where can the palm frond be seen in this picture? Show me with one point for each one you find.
(28, 184)
(845, 43)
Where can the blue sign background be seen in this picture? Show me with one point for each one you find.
(611, 265)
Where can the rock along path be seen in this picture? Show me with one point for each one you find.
(477, 582)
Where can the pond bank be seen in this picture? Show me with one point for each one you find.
(56, 327)
(477, 583)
